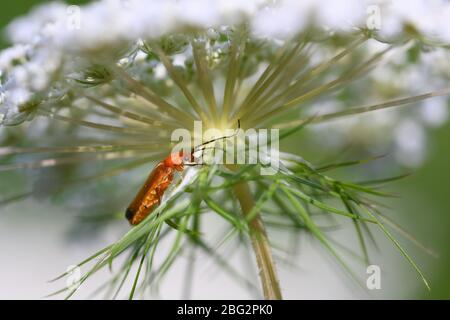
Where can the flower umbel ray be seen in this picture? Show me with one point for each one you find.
(113, 109)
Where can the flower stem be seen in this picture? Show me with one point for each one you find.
(260, 243)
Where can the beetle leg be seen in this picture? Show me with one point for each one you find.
(193, 164)
(159, 195)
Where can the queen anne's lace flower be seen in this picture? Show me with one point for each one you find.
(51, 36)
(122, 75)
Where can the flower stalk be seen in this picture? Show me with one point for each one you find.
(260, 243)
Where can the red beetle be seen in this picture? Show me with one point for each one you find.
(149, 196)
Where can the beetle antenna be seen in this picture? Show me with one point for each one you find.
(220, 138)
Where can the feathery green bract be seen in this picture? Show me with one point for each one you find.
(278, 192)
(232, 77)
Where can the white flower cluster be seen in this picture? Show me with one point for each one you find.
(29, 66)
(54, 35)
(110, 23)
(430, 18)
(288, 17)
(56, 40)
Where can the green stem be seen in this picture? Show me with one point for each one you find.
(260, 243)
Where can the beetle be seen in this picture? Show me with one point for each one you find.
(160, 178)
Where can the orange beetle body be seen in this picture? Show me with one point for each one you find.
(149, 196)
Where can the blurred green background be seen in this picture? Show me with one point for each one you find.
(423, 209)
